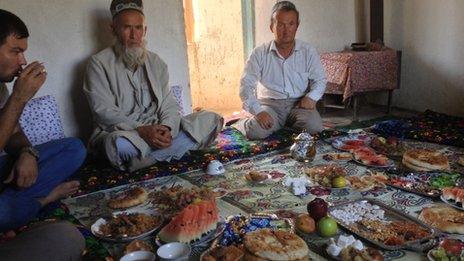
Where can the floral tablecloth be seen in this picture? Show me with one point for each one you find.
(243, 197)
(357, 72)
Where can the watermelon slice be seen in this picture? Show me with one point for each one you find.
(191, 223)
(369, 157)
(350, 145)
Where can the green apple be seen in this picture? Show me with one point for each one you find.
(339, 182)
(327, 227)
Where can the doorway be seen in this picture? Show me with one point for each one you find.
(219, 37)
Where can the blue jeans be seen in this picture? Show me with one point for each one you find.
(59, 159)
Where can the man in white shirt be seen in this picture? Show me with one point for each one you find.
(282, 80)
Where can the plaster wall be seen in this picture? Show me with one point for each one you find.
(329, 25)
(65, 33)
(216, 55)
(430, 34)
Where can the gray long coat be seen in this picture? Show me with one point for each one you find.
(105, 88)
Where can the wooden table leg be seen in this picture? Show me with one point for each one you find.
(355, 108)
(389, 104)
(324, 103)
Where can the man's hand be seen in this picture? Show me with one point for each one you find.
(265, 120)
(306, 103)
(24, 172)
(157, 136)
(29, 82)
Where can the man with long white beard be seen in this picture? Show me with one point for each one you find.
(137, 120)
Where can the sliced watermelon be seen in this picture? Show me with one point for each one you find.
(191, 223)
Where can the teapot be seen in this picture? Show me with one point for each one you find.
(303, 148)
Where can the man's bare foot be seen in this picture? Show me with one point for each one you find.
(63, 190)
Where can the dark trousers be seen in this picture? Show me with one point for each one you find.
(52, 241)
(59, 159)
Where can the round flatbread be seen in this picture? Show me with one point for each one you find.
(425, 160)
(443, 217)
(275, 245)
(413, 167)
(130, 198)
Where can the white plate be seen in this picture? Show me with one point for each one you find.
(451, 203)
(429, 253)
(95, 228)
(204, 240)
(430, 256)
(339, 142)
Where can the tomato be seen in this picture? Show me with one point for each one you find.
(452, 246)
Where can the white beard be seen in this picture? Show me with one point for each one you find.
(132, 57)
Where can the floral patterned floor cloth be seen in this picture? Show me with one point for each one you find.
(430, 126)
(230, 145)
(243, 197)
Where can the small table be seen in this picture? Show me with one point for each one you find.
(352, 73)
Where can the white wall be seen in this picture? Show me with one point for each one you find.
(65, 33)
(431, 35)
(329, 25)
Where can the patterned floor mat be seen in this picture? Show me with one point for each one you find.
(430, 126)
(245, 197)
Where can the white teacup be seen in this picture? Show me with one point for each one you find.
(138, 256)
(215, 167)
(174, 251)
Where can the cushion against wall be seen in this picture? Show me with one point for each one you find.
(40, 120)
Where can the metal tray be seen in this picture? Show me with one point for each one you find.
(95, 227)
(435, 196)
(390, 164)
(412, 190)
(340, 141)
(451, 203)
(425, 178)
(392, 214)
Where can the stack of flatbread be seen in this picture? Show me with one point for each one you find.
(425, 160)
(267, 244)
(443, 217)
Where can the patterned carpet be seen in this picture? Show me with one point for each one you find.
(230, 146)
(429, 126)
(273, 196)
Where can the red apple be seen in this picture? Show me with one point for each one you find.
(317, 208)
